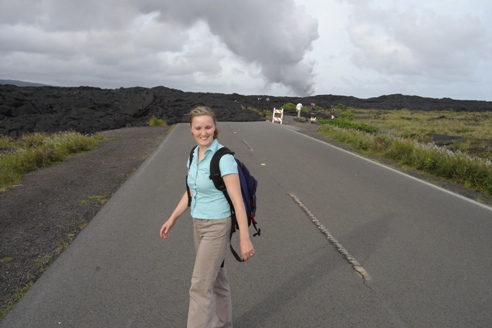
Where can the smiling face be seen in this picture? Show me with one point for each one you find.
(203, 129)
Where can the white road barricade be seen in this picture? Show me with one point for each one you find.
(278, 119)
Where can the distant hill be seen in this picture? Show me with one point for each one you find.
(22, 83)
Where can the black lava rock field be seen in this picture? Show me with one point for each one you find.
(88, 110)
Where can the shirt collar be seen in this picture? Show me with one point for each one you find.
(212, 148)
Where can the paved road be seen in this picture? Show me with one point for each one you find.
(425, 254)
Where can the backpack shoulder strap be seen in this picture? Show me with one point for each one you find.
(189, 165)
(220, 185)
(215, 168)
(191, 155)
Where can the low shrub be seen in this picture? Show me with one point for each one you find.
(341, 107)
(289, 107)
(346, 115)
(154, 121)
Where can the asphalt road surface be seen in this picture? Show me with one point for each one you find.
(345, 243)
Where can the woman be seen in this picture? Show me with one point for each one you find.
(210, 298)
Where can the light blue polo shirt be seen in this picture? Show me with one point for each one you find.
(208, 202)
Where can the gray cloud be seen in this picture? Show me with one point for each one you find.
(274, 35)
(408, 43)
(113, 39)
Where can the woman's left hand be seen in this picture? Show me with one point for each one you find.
(247, 249)
(234, 189)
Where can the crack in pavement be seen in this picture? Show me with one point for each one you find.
(350, 259)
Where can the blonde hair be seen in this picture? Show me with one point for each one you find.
(204, 110)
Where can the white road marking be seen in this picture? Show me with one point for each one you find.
(396, 171)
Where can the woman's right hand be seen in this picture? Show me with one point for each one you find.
(178, 211)
(166, 227)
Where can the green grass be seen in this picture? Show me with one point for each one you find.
(100, 199)
(405, 136)
(6, 259)
(351, 125)
(472, 127)
(31, 152)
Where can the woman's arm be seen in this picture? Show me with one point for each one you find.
(178, 211)
(234, 190)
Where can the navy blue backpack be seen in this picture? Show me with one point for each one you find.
(248, 190)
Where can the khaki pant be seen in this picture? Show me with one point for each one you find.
(210, 296)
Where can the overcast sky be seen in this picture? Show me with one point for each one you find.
(361, 48)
